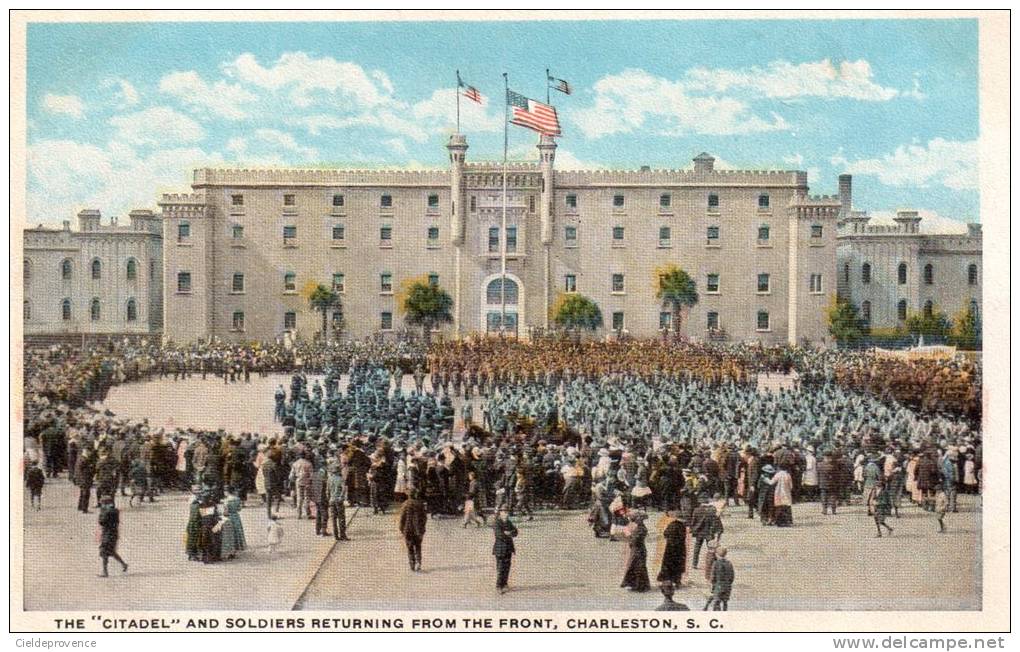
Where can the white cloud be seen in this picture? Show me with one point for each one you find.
(795, 160)
(69, 105)
(949, 163)
(931, 222)
(396, 145)
(66, 176)
(636, 100)
(124, 92)
(157, 126)
(270, 147)
(785, 80)
(440, 111)
(220, 98)
(384, 119)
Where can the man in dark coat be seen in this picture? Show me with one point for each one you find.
(413, 520)
(722, 581)
(828, 483)
(84, 473)
(705, 526)
(503, 548)
(674, 555)
(109, 523)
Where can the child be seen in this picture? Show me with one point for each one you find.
(139, 482)
(274, 534)
(34, 480)
(941, 507)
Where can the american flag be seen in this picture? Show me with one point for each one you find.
(561, 85)
(533, 115)
(470, 92)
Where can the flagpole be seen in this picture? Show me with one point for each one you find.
(457, 92)
(547, 100)
(502, 235)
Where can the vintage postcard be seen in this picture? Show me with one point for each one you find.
(420, 321)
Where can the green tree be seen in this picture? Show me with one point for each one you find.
(844, 323)
(426, 305)
(324, 300)
(932, 325)
(676, 289)
(966, 331)
(576, 312)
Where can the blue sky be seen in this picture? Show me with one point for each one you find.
(118, 113)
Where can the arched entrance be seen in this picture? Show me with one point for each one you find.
(492, 320)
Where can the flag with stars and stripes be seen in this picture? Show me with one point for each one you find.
(561, 85)
(526, 112)
(469, 91)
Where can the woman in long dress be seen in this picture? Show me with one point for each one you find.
(636, 577)
(674, 549)
(193, 531)
(233, 530)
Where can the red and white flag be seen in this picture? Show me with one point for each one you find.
(536, 116)
(469, 92)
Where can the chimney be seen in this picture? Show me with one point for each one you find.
(845, 195)
(704, 162)
(67, 225)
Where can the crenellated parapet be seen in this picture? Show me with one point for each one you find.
(248, 178)
(681, 177)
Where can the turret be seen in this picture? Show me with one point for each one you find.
(845, 195)
(909, 221)
(457, 147)
(704, 162)
(547, 155)
(88, 219)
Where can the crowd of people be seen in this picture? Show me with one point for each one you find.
(616, 428)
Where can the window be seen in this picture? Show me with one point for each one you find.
(665, 236)
(386, 233)
(665, 200)
(929, 274)
(433, 202)
(289, 200)
(94, 310)
(901, 310)
(289, 321)
(434, 279)
(617, 321)
(386, 282)
(183, 231)
(973, 308)
(617, 201)
(901, 274)
(763, 320)
(474, 203)
(713, 200)
(237, 200)
(816, 231)
(132, 310)
(763, 233)
(184, 282)
(386, 201)
(972, 274)
(338, 282)
(433, 234)
(618, 283)
(713, 320)
(763, 283)
(712, 283)
(289, 234)
(65, 310)
(386, 321)
(712, 233)
(531, 203)
(27, 268)
(97, 269)
(237, 283)
(65, 269)
(511, 239)
(929, 308)
(237, 232)
(570, 283)
(289, 282)
(494, 292)
(338, 318)
(763, 202)
(338, 201)
(132, 269)
(493, 239)
(26, 310)
(617, 234)
(866, 312)
(152, 269)
(338, 232)
(816, 284)
(571, 201)
(866, 273)
(570, 235)
(846, 273)
(665, 321)
(237, 321)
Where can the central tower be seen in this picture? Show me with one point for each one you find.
(546, 158)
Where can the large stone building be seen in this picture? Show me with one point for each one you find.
(892, 271)
(242, 249)
(100, 281)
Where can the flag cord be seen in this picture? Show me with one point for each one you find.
(502, 235)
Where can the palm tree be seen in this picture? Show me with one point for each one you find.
(324, 299)
(576, 312)
(676, 290)
(427, 305)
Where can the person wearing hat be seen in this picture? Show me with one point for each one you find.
(336, 494)
(503, 548)
(705, 526)
(109, 523)
(412, 522)
(635, 577)
(668, 604)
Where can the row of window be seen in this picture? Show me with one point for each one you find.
(289, 200)
(95, 310)
(901, 309)
(338, 283)
(96, 269)
(928, 274)
(764, 283)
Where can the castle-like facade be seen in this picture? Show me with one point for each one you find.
(243, 248)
